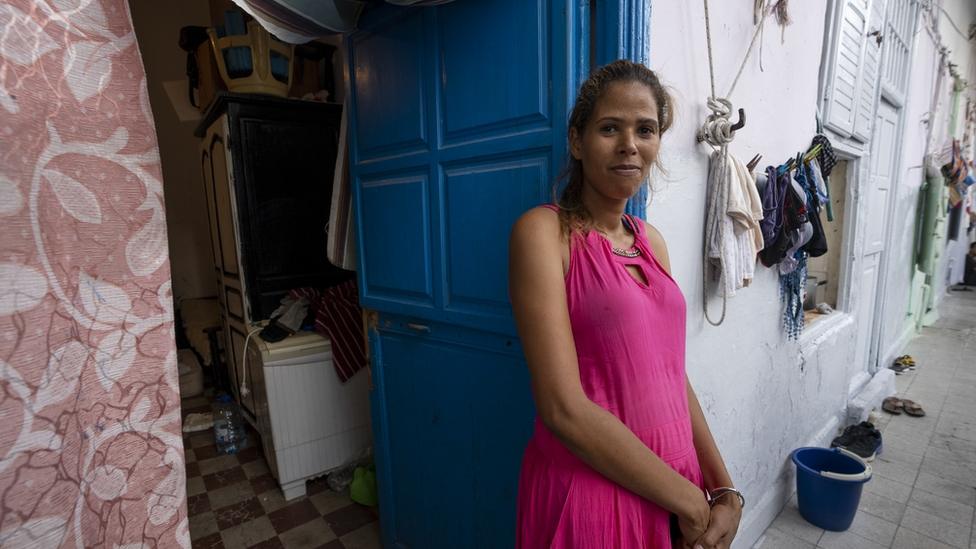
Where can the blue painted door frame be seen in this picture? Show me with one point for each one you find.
(623, 32)
(457, 124)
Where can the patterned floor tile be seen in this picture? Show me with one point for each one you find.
(233, 501)
(255, 468)
(272, 500)
(329, 501)
(310, 535)
(293, 515)
(219, 463)
(229, 495)
(273, 543)
(252, 452)
(203, 525)
(192, 470)
(223, 478)
(197, 504)
(204, 438)
(238, 513)
(205, 452)
(194, 486)
(264, 483)
(248, 533)
(367, 537)
(349, 518)
(212, 541)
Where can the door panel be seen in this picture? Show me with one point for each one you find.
(225, 214)
(208, 191)
(882, 171)
(474, 192)
(453, 138)
(481, 75)
(390, 99)
(866, 297)
(451, 464)
(397, 236)
(875, 204)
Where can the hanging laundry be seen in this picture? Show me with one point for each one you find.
(826, 160)
(790, 208)
(817, 246)
(338, 317)
(791, 287)
(799, 226)
(732, 232)
(746, 212)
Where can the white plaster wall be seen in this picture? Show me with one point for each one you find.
(764, 395)
(963, 54)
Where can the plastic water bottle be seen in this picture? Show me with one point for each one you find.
(229, 434)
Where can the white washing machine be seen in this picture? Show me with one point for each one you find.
(310, 422)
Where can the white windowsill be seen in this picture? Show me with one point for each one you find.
(815, 334)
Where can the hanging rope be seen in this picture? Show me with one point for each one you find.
(718, 133)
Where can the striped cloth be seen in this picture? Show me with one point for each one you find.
(339, 317)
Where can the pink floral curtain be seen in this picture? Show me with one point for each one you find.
(90, 446)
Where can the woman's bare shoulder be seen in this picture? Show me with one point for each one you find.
(540, 225)
(658, 246)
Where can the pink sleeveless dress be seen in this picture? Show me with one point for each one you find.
(630, 340)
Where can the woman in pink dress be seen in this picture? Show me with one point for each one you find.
(621, 456)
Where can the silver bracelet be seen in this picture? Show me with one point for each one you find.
(711, 496)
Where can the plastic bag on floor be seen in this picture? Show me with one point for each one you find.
(340, 479)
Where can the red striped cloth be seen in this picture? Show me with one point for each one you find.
(338, 317)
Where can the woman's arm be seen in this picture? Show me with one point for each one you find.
(724, 520)
(596, 436)
(727, 511)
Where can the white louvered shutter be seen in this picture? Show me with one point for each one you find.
(867, 91)
(899, 29)
(841, 97)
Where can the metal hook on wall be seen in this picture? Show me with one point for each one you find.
(741, 122)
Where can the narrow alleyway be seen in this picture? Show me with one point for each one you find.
(923, 493)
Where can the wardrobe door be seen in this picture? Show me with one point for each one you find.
(284, 155)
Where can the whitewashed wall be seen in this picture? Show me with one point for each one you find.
(962, 54)
(765, 395)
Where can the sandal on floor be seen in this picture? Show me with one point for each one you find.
(893, 405)
(898, 368)
(907, 361)
(912, 408)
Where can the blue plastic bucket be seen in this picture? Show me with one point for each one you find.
(828, 485)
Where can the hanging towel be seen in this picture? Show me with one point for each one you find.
(746, 212)
(720, 245)
(733, 234)
(338, 317)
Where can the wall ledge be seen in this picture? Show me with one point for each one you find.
(824, 330)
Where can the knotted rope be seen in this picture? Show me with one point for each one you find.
(717, 132)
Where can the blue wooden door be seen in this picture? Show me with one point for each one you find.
(457, 126)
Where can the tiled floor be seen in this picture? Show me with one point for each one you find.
(233, 502)
(923, 493)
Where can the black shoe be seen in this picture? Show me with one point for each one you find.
(862, 439)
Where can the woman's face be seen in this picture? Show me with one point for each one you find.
(620, 141)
